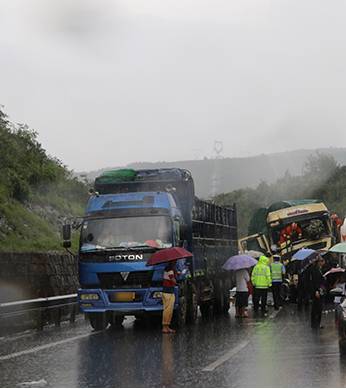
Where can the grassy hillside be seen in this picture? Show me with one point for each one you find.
(235, 173)
(36, 192)
(323, 178)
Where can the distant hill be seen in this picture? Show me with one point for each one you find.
(215, 176)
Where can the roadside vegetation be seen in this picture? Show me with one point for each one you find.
(322, 178)
(36, 192)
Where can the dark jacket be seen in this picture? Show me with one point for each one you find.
(317, 279)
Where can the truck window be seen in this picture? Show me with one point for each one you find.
(252, 244)
(151, 231)
(311, 228)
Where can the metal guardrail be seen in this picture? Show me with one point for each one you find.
(42, 311)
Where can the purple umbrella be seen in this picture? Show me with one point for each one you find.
(238, 262)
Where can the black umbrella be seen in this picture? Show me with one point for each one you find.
(309, 261)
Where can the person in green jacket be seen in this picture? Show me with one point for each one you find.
(261, 280)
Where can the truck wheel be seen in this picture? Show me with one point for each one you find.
(98, 321)
(342, 347)
(116, 321)
(206, 310)
(226, 302)
(180, 314)
(192, 306)
(221, 302)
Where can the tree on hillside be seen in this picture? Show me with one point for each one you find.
(333, 191)
(36, 191)
(322, 178)
(320, 166)
(25, 165)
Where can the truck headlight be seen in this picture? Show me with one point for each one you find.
(157, 295)
(89, 296)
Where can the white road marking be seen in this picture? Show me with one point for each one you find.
(231, 353)
(31, 332)
(226, 357)
(34, 384)
(46, 346)
(53, 344)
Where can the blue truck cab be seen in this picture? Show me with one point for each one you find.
(131, 215)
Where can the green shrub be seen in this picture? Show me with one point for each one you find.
(36, 192)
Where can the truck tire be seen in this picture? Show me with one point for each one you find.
(116, 321)
(180, 314)
(342, 347)
(98, 321)
(227, 286)
(226, 302)
(221, 302)
(192, 305)
(206, 309)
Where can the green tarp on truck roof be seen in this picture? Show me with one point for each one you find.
(113, 176)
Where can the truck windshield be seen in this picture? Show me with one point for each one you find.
(300, 229)
(126, 232)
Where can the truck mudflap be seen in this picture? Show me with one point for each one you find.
(123, 301)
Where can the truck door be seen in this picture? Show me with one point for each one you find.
(257, 242)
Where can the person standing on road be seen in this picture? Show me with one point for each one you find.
(277, 273)
(168, 297)
(261, 280)
(317, 282)
(241, 298)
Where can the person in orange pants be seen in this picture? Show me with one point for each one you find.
(168, 297)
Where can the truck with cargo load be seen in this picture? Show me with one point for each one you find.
(130, 215)
(268, 225)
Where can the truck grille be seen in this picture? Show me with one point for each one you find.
(136, 279)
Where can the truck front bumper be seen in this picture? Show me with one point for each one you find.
(143, 302)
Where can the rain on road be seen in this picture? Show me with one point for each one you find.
(280, 350)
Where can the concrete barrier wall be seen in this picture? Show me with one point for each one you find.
(31, 275)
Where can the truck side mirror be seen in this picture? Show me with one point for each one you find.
(66, 235)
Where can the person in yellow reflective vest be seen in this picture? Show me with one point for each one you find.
(277, 272)
(261, 280)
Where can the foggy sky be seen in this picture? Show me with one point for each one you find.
(106, 83)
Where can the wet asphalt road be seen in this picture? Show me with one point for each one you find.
(277, 351)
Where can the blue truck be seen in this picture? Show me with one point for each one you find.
(130, 215)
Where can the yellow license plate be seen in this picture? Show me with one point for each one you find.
(123, 296)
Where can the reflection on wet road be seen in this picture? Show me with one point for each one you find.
(275, 351)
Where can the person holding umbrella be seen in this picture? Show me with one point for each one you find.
(240, 264)
(242, 294)
(168, 297)
(169, 257)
